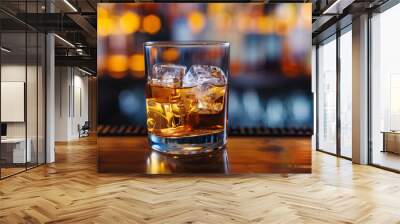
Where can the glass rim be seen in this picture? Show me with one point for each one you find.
(186, 43)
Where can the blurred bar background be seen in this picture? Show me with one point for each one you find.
(270, 74)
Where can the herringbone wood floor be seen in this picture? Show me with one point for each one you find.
(71, 191)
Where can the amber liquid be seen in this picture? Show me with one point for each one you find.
(185, 112)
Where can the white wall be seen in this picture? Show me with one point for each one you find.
(80, 110)
(62, 81)
(71, 94)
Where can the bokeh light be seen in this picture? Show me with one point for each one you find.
(136, 64)
(242, 22)
(275, 113)
(170, 55)
(215, 8)
(129, 22)
(128, 102)
(151, 24)
(252, 105)
(265, 24)
(196, 21)
(117, 65)
(105, 24)
(300, 109)
(277, 34)
(223, 21)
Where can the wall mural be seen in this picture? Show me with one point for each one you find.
(269, 81)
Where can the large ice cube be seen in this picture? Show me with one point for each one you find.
(210, 98)
(168, 75)
(210, 86)
(201, 74)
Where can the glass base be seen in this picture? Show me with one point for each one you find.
(188, 145)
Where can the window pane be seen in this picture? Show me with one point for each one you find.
(385, 84)
(327, 97)
(14, 153)
(346, 94)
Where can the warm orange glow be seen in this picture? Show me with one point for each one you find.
(102, 12)
(170, 54)
(118, 27)
(265, 25)
(196, 21)
(151, 24)
(290, 68)
(223, 21)
(215, 8)
(291, 16)
(105, 26)
(235, 68)
(136, 63)
(155, 164)
(129, 22)
(305, 14)
(117, 65)
(153, 52)
(243, 22)
(105, 23)
(215, 53)
(281, 28)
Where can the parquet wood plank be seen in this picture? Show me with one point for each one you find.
(72, 191)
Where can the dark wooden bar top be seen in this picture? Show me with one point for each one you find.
(242, 155)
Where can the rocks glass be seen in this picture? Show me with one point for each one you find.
(186, 95)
